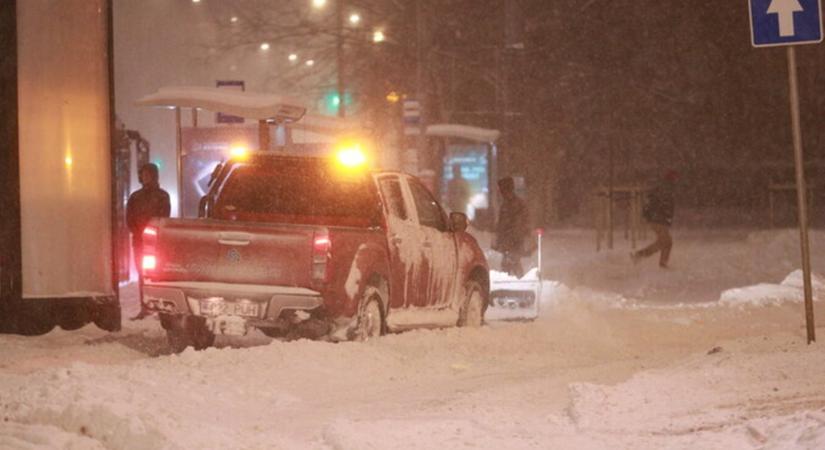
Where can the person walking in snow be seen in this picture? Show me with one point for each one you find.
(144, 204)
(512, 228)
(658, 212)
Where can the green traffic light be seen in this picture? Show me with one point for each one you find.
(332, 101)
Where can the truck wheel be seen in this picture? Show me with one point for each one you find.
(472, 311)
(370, 316)
(274, 333)
(202, 336)
(107, 317)
(33, 320)
(188, 332)
(32, 325)
(71, 317)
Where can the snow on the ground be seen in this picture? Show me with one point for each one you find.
(790, 289)
(703, 264)
(621, 356)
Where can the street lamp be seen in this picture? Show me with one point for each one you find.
(293, 57)
(354, 20)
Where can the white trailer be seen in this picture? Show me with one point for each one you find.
(56, 225)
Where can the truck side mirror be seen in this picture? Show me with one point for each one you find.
(458, 222)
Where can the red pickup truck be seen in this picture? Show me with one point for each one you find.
(299, 247)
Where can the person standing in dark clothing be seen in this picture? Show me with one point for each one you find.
(658, 212)
(512, 228)
(144, 204)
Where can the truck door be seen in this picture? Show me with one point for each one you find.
(439, 244)
(405, 245)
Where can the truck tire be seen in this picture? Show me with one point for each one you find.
(32, 320)
(71, 317)
(32, 325)
(107, 317)
(370, 316)
(188, 332)
(274, 333)
(473, 306)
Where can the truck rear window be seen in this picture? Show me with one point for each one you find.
(294, 191)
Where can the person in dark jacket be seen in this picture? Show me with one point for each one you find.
(144, 204)
(512, 228)
(658, 212)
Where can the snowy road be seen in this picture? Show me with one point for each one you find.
(622, 357)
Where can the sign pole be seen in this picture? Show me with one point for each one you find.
(179, 158)
(610, 199)
(540, 233)
(790, 23)
(802, 192)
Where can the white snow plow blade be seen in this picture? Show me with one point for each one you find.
(512, 298)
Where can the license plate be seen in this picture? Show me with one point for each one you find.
(246, 308)
(217, 306)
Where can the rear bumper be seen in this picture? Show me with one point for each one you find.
(187, 297)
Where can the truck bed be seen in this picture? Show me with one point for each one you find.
(201, 250)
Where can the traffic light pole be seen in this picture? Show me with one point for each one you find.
(419, 88)
(801, 192)
(179, 158)
(339, 57)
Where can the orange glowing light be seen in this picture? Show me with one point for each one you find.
(239, 152)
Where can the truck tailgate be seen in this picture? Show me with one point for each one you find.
(232, 252)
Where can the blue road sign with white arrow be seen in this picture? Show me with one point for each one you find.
(785, 22)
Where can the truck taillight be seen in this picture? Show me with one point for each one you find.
(321, 248)
(322, 245)
(149, 263)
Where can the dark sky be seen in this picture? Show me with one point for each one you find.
(665, 84)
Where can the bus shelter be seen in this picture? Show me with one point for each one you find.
(269, 111)
(474, 151)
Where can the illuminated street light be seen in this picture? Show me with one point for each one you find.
(293, 57)
(318, 4)
(310, 62)
(234, 19)
(378, 36)
(265, 46)
(393, 97)
(354, 18)
(196, 1)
